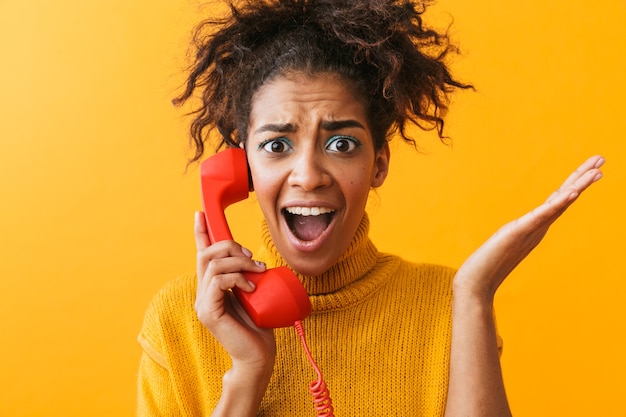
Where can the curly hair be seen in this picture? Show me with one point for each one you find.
(380, 46)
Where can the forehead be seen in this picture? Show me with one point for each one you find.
(300, 97)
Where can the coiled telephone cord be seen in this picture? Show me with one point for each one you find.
(321, 396)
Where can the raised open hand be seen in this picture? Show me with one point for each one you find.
(483, 272)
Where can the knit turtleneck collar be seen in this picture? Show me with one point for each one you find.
(359, 258)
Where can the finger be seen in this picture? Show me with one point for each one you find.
(234, 307)
(547, 213)
(219, 284)
(212, 299)
(224, 249)
(595, 162)
(232, 327)
(200, 231)
(568, 193)
(586, 180)
(211, 302)
(230, 265)
(221, 250)
(588, 173)
(585, 175)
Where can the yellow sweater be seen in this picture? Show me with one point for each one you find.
(380, 332)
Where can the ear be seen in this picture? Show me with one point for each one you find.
(381, 166)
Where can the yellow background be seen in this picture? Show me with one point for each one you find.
(96, 209)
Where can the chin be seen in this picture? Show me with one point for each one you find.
(309, 270)
(310, 267)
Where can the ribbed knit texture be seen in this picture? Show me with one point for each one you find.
(380, 332)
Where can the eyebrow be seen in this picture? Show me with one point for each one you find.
(331, 125)
(280, 128)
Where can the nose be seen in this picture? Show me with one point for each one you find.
(309, 171)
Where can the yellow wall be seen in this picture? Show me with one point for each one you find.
(96, 210)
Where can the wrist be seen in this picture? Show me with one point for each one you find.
(250, 373)
(467, 291)
(243, 388)
(470, 296)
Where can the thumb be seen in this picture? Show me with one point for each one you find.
(200, 231)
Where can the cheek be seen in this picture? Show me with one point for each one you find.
(256, 173)
(358, 177)
(266, 184)
(262, 185)
(357, 187)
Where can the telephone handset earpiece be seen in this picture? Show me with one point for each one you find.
(279, 299)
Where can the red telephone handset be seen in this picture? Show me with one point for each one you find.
(279, 299)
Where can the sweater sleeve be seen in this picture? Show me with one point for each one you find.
(156, 395)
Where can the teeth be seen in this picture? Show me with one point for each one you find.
(309, 211)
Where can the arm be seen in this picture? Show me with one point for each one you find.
(156, 396)
(476, 386)
(251, 349)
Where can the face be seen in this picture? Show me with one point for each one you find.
(313, 162)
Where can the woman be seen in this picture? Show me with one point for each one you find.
(313, 91)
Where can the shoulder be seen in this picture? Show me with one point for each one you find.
(417, 282)
(171, 311)
(421, 295)
(175, 294)
(174, 302)
(414, 271)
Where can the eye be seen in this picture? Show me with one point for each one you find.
(279, 145)
(342, 144)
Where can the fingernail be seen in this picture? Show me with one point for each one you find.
(260, 264)
(246, 252)
(597, 177)
(252, 284)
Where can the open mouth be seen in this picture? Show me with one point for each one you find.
(308, 223)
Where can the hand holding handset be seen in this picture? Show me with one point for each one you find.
(279, 299)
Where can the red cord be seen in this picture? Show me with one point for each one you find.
(321, 396)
